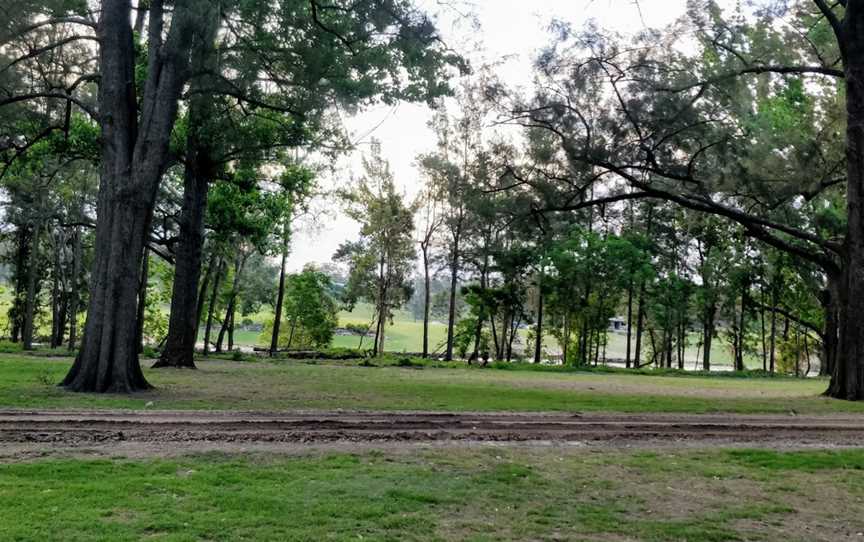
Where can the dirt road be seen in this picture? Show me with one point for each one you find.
(198, 431)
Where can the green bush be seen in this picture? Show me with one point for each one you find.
(8, 347)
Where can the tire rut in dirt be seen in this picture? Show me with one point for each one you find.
(81, 427)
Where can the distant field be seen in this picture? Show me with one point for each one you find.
(405, 335)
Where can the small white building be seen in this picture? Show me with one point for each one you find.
(618, 324)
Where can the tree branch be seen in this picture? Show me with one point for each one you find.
(799, 70)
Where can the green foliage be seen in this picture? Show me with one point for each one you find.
(309, 311)
(381, 261)
(161, 276)
(241, 207)
(588, 276)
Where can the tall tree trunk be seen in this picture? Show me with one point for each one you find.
(231, 329)
(495, 340)
(427, 299)
(382, 335)
(847, 379)
(56, 295)
(772, 358)
(381, 302)
(739, 347)
(142, 299)
(708, 336)
(74, 296)
(179, 350)
(280, 295)
(478, 330)
(627, 358)
(22, 256)
(29, 324)
(291, 334)
(212, 266)
(640, 328)
(133, 161)
(239, 264)
(220, 267)
(538, 338)
(186, 300)
(830, 340)
(454, 283)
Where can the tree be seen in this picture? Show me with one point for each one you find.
(310, 312)
(277, 85)
(432, 222)
(451, 171)
(586, 287)
(295, 183)
(681, 128)
(381, 261)
(134, 155)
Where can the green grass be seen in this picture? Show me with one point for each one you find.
(405, 335)
(447, 494)
(29, 381)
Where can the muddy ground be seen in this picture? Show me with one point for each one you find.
(158, 433)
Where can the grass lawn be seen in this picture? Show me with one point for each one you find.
(405, 335)
(27, 381)
(480, 493)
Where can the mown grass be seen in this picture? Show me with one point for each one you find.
(445, 494)
(263, 385)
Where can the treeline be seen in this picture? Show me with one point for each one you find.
(683, 281)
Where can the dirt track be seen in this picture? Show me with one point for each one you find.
(198, 431)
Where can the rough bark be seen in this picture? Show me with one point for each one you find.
(830, 338)
(231, 329)
(199, 170)
(847, 380)
(133, 160)
(142, 300)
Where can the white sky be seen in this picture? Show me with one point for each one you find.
(510, 30)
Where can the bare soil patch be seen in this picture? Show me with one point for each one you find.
(144, 433)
